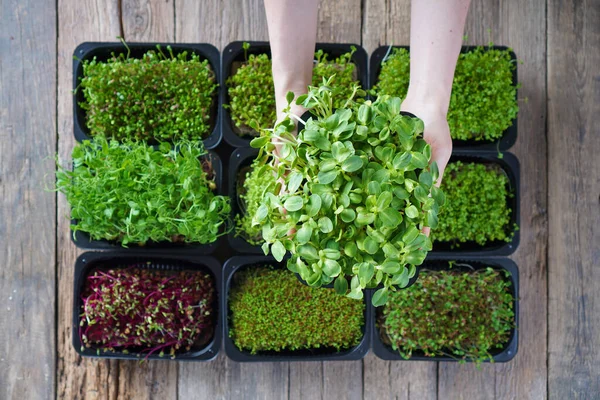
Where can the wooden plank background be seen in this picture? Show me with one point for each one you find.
(558, 44)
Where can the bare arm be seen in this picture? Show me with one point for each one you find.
(436, 34)
(292, 34)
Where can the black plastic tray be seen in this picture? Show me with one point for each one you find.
(356, 353)
(509, 164)
(83, 240)
(385, 352)
(103, 51)
(235, 52)
(240, 158)
(509, 136)
(165, 261)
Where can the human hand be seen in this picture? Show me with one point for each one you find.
(436, 133)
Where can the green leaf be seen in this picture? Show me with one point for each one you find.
(294, 181)
(326, 178)
(332, 268)
(365, 273)
(384, 200)
(371, 246)
(289, 97)
(259, 142)
(278, 250)
(380, 297)
(308, 252)
(340, 285)
(304, 234)
(391, 267)
(390, 217)
(350, 249)
(401, 160)
(314, 205)
(411, 212)
(419, 160)
(293, 203)
(352, 164)
(426, 179)
(325, 225)
(348, 215)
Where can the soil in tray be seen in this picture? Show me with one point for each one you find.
(174, 309)
(271, 313)
(465, 312)
(162, 94)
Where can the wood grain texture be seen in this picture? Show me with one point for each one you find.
(27, 216)
(101, 21)
(522, 26)
(148, 21)
(385, 22)
(574, 189)
(80, 21)
(399, 380)
(339, 21)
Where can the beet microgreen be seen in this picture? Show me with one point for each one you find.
(357, 191)
(252, 185)
(146, 311)
(131, 193)
(476, 204)
(464, 315)
(157, 97)
(483, 103)
(272, 310)
(252, 93)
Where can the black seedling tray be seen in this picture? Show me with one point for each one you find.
(234, 52)
(236, 263)
(240, 158)
(510, 165)
(83, 240)
(509, 137)
(103, 51)
(385, 351)
(87, 262)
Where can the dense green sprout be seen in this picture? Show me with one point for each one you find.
(394, 75)
(483, 103)
(476, 206)
(257, 181)
(154, 98)
(345, 75)
(132, 193)
(450, 313)
(252, 93)
(272, 311)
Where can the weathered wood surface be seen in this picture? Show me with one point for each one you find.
(27, 215)
(574, 188)
(560, 174)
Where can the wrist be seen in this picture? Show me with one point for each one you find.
(432, 102)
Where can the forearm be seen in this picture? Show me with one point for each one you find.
(292, 35)
(436, 36)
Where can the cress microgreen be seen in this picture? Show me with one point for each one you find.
(131, 193)
(272, 311)
(357, 191)
(158, 97)
(252, 94)
(464, 315)
(476, 208)
(483, 103)
(251, 187)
